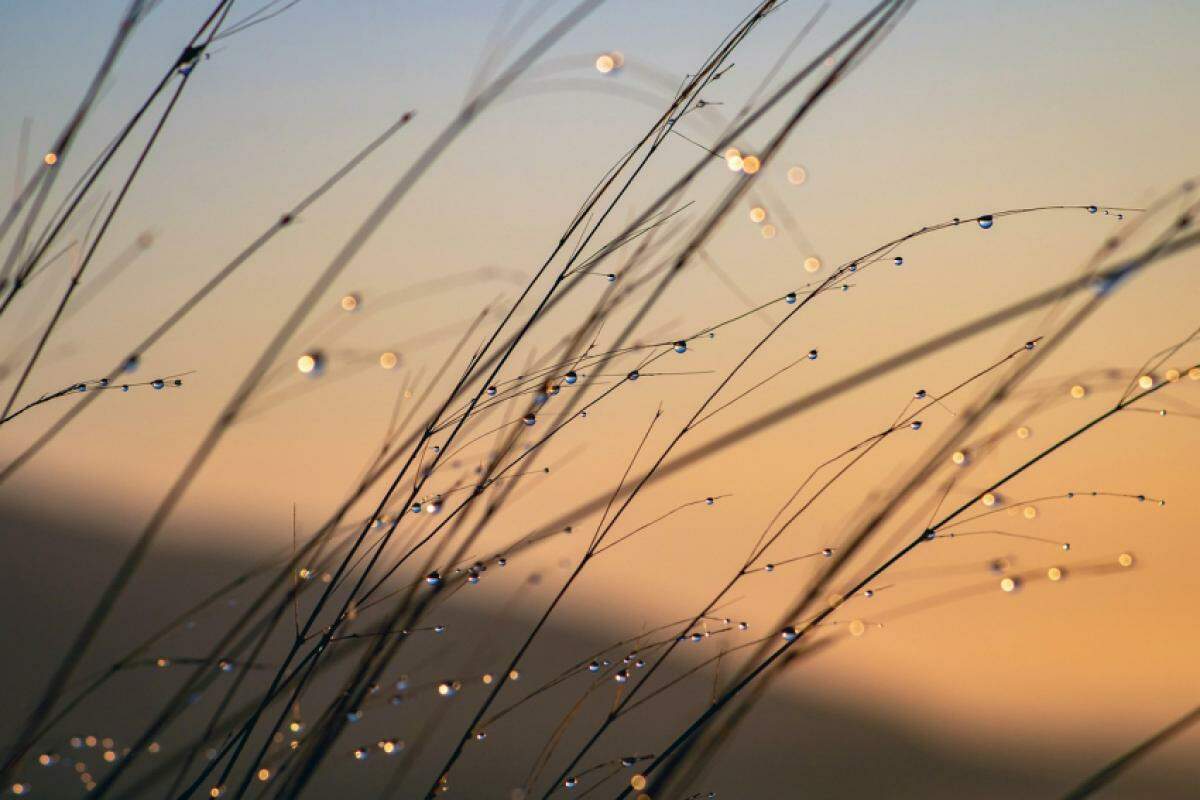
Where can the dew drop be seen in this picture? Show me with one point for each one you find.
(311, 363)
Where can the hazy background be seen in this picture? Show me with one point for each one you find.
(964, 109)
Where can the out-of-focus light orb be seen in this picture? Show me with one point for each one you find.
(638, 782)
(264, 774)
(350, 302)
(812, 264)
(1172, 375)
(1078, 392)
(734, 162)
(50, 159)
(1054, 574)
(1023, 432)
(768, 231)
(988, 499)
(1029, 512)
(796, 175)
(959, 457)
(1125, 559)
(750, 165)
(1010, 585)
(388, 360)
(1194, 373)
(605, 63)
(1145, 381)
(758, 214)
(857, 627)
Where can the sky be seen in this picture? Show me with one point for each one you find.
(964, 109)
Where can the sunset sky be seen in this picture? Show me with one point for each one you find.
(964, 109)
